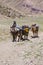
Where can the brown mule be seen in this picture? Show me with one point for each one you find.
(35, 29)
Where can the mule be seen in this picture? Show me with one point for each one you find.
(25, 32)
(35, 29)
(16, 34)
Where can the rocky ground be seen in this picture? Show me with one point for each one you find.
(19, 53)
(22, 53)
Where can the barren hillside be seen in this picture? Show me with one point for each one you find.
(25, 6)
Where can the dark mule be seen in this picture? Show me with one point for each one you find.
(16, 34)
(25, 32)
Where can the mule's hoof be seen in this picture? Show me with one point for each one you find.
(13, 40)
(35, 36)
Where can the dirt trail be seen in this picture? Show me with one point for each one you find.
(22, 53)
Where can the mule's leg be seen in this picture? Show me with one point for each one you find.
(17, 39)
(13, 37)
(36, 35)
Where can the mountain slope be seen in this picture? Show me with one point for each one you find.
(25, 6)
